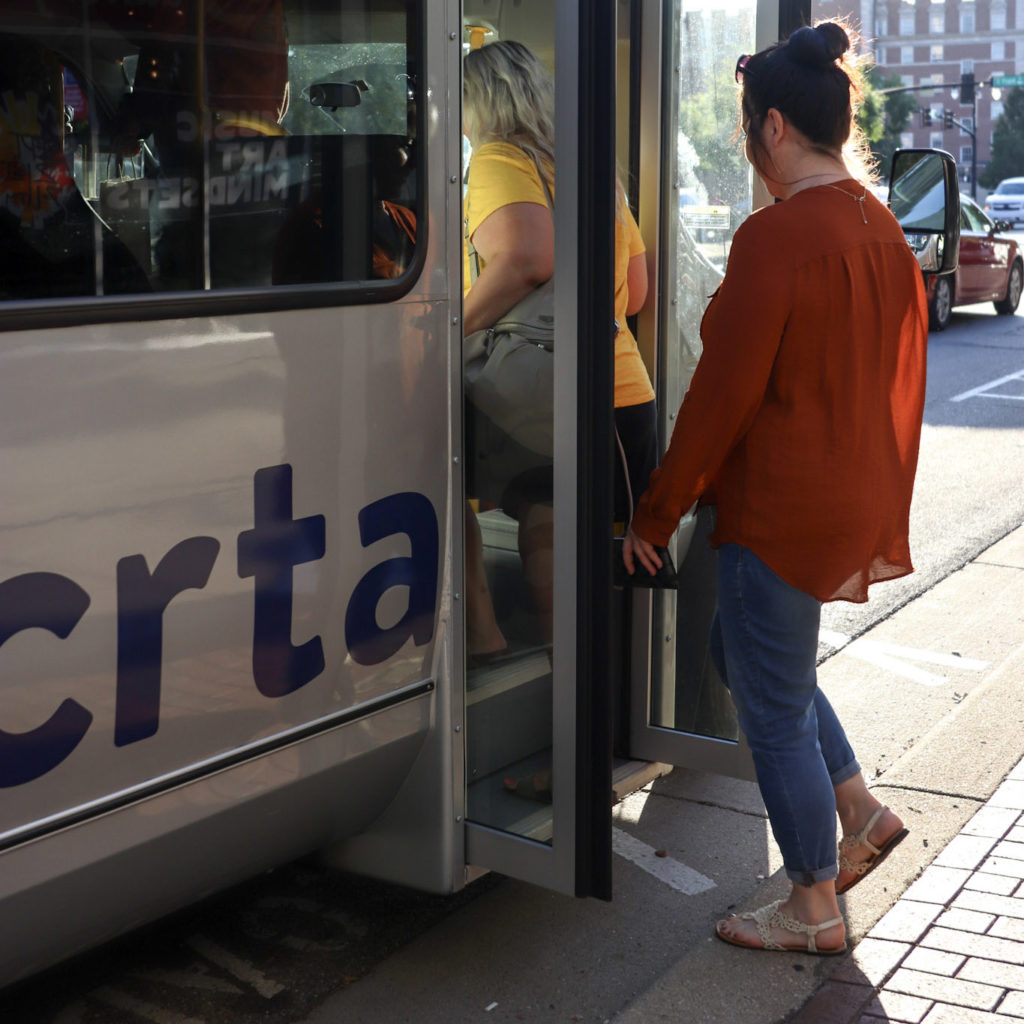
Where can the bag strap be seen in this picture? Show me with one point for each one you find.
(474, 256)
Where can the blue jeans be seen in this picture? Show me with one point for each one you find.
(764, 643)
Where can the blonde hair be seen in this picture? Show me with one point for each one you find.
(509, 96)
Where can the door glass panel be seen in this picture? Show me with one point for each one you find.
(707, 198)
(509, 509)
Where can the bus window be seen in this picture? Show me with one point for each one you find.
(207, 146)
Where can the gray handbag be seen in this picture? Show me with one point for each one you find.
(509, 368)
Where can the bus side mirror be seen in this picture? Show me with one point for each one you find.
(337, 94)
(924, 196)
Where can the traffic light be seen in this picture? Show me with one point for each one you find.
(926, 118)
(967, 89)
(949, 118)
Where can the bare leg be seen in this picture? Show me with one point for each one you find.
(483, 634)
(855, 804)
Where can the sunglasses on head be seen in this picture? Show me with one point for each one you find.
(741, 66)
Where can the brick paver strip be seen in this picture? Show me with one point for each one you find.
(933, 961)
(965, 852)
(988, 903)
(1007, 848)
(1016, 835)
(938, 885)
(906, 922)
(991, 821)
(1009, 794)
(1004, 866)
(897, 1006)
(967, 921)
(833, 1003)
(991, 972)
(945, 990)
(1008, 928)
(1013, 1005)
(873, 960)
(1001, 885)
(943, 1014)
(975, 945)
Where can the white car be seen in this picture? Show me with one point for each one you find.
(1007, 201)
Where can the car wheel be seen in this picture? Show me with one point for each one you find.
(941, 308)
(1008, 305)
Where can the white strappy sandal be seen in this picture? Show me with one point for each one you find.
(862, 868)
(772, 916)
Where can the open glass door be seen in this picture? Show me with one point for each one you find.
(538, 750)
(695, 188)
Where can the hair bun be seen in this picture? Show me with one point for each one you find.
(819, 46)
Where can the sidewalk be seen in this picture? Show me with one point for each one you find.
(933, 700)
(951, 951)
(936, 942)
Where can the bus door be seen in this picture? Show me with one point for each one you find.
(547, 699)
(693, 188)
(537, 573)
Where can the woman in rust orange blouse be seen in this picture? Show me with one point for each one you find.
(803, 420)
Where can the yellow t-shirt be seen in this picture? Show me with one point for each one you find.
(632, 382)
(500, 174)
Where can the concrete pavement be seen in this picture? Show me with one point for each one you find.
(933, 701)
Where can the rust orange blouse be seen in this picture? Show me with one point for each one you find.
(803, 417)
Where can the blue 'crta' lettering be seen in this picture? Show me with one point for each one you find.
(412, 514)
(142, 598)
(269, 552)
(48, 601)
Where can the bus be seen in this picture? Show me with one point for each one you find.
(232, 543)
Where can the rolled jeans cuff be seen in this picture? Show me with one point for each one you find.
(848, 771)
(809, 878)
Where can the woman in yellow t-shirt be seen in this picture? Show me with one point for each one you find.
(636, 425)
(508, 116)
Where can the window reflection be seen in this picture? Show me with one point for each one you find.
(159, 147)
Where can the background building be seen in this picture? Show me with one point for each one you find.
(933, 44)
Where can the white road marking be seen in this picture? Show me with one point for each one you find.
(896, 658)
(196, 979)
(665, 869)
(235, 966)
(122, 1001)
(982, 391)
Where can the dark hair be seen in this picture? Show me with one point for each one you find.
(802, 80)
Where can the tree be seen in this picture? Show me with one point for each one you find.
(883, 116)
(1007, 142)
(709, 122)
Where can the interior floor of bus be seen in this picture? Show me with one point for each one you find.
(509, 724)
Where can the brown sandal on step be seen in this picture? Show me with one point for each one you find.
(533, 787)
(861, 869)
(772, 916)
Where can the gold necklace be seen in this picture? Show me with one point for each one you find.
(857, 199)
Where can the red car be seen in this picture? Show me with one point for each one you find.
(990, 270)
